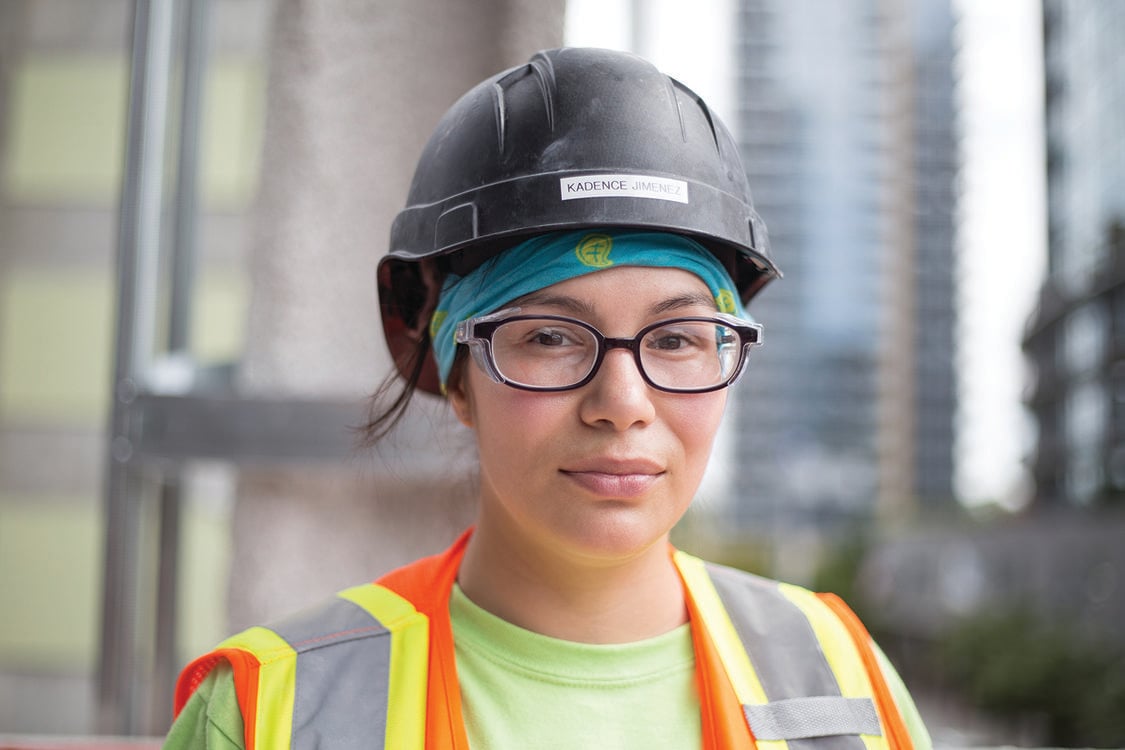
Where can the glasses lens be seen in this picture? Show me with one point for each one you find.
(690, 354)
(543, 352)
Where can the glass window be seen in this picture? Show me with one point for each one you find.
(1085, 336)
(1086, 412)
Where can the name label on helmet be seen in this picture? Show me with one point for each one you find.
(624, 186)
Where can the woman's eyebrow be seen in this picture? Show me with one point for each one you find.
(572, 305)
(691, 299)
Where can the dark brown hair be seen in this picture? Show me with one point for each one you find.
(387, 405)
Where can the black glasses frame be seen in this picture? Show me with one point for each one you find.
(477, 333)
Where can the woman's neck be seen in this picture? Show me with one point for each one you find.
(571, 597)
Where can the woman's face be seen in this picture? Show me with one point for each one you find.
(602, 472)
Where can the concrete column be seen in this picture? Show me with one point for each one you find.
(355, 88)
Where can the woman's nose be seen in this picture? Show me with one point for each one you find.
(618, 396)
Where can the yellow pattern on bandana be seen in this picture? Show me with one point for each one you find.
(593, 250)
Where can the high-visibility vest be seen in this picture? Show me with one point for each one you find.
(774, 663)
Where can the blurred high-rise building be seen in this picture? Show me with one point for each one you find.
(846, 117)
(1076, 337)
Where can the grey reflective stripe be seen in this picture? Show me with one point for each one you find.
(775, 633)
(801, 718)
(785, 653)
(343, 673)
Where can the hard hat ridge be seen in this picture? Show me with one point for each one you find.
(540, 67)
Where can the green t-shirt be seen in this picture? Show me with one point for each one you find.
(523, 689)
(211, 719)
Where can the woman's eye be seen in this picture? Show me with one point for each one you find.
(675, 340)
(669, 342)
(548, 338)
(555, 336)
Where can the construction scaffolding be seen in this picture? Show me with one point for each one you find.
(167, 409)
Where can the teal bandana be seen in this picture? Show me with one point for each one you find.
(550, 258)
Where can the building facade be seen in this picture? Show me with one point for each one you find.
(1075, 339)
(846, 120)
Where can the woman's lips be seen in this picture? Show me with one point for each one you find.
(619, 480)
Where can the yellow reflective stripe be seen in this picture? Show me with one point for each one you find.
(743, 677)
(741, 672)
(410, 655)
(839, 651)
(273, 721)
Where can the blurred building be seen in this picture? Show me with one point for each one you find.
(64, 91)
(147, 284)
(1076, 337)
(846, 119)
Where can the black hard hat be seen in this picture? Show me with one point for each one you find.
(576, 138)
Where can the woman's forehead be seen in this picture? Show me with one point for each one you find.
(623, 288)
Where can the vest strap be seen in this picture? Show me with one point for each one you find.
(819, 716)
(341, 674)
(793, 665)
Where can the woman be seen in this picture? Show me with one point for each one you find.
(569, 273)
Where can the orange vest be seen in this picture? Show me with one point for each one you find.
(773, 663)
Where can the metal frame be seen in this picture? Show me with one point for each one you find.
(138, 247)
(152, 434)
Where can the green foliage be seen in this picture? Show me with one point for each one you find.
(751, 557)
(838, 572)
(1013, 664)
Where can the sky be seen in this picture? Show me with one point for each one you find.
(1001, 225)
(1002, 237)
